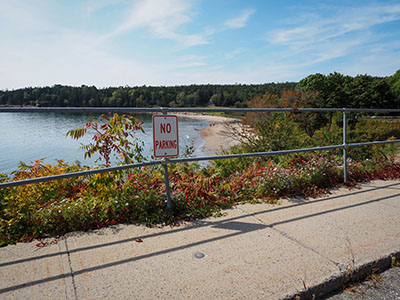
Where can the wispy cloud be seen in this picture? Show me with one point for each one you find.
(190, 61)
(239, 21)
(135, 42)
(22, 16)
(319, 28)
(336, 35)
(95, 5)
(234, 53)
(163, 18)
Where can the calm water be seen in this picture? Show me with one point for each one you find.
(27, 137)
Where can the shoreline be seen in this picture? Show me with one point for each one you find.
(215, 134)
(209, 118)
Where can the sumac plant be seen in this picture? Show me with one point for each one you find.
(115, 135)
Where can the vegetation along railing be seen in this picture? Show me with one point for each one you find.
(164, 162)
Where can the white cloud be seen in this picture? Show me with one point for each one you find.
(190, 61)
(67, 63)
(319, 28)
(240, 21)
(20, 16)
(320, 38)
(37, 49)
(163, 18)
(234, 53)
(95, 5)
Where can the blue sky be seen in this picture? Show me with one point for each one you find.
(173, 42)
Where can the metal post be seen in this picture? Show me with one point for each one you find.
(164, 163)
(345, 146)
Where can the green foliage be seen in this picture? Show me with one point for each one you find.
(143, 96)
(272, 131)
(362, 91)
(369, 130)
(53, 208)
(27, 207)
(227, 167)
(334, 90)
(394, 82)
(56, 207)
(112, 136)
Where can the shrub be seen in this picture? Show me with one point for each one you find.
(137, 196)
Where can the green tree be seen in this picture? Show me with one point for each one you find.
(394, 83)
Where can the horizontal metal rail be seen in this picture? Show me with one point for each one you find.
(155, 162)
(187, 159)
(177, 109)
(164, 162)
(372, 143)
(76, 174)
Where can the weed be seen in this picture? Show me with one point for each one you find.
(352, 261)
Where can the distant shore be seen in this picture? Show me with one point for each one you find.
(215, 135)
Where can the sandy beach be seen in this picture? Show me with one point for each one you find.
(215, 135)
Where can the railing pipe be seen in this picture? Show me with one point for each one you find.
(254, 154)
(165, 162)
(187, 159)
(156, 162)
(76, 174)
(344, 146)
(177, 109)
(373, 143)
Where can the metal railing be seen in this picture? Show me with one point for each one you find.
(164, 162)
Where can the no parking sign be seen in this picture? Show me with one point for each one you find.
(165, 136)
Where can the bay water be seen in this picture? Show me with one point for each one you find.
(26, 137)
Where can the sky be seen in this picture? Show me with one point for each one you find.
(181, 42)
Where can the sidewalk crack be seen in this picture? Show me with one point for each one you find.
(70, 270)
(293, 239)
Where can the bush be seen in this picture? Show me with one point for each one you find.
(53, 208)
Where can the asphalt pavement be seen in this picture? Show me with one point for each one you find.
(300, 248)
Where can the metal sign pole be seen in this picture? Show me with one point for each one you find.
(345, 146)
(164, 163)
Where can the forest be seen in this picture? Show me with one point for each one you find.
(333, 90)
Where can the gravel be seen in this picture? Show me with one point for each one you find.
(384, 286)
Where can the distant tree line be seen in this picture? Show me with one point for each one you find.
(144, 96)
(333, 90)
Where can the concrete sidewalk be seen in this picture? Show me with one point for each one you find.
(257, 251)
